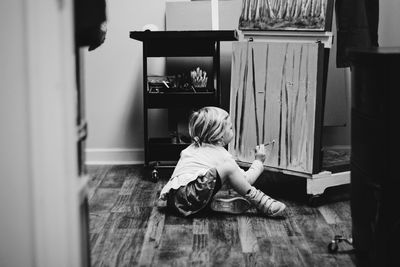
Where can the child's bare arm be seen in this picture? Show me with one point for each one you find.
(257, 166)
(254, 171)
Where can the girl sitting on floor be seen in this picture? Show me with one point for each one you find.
(205, 165)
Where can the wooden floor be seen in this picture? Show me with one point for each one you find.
(127, 229)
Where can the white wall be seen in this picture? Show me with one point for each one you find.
(114, 83)
(16, 235)
(389, 30)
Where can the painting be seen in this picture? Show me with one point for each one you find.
(274, 92)
(286, 15)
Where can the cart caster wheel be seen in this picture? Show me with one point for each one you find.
(333, 247)
(155, 175)
(315, 200)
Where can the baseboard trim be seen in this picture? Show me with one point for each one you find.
(114, 156)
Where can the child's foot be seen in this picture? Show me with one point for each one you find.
(232, 205)
(264, 203)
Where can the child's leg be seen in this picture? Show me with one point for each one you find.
(231, 173)
(233, 177)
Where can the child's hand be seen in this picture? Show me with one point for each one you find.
(260, 153)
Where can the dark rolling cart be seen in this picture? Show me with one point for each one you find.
(164, 152)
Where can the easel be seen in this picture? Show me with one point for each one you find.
(319, 179)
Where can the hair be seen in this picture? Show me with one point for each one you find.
(208, 125)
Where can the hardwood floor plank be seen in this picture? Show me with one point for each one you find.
(342, 209)
(122, 204)
(276, 244)
(278, 252)
(98, 245)
(343, 229)
(258, 224)
(152, 237)
(292, 228)
(253, 259)
(317, 233)
(114, 177)
(97, 174)
(145, 194)
(200, 226)
(177, 220)
(299, 209)
(302, 251)
(224, 242)
(120, 238)
(128, 186)
(175, 246)
(93, 238)
(268, 228)
(176, 240)
(97, 221)
(128, 251)
(103, 200)
(137, 217)
(200, 255)
(248, 240)
(120, 249)
(330, 216)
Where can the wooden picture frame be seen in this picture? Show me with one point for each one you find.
(286, 15)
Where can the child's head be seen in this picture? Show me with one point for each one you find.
(210, 125)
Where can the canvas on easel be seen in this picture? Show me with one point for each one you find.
(276, 94)
(286, 15)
